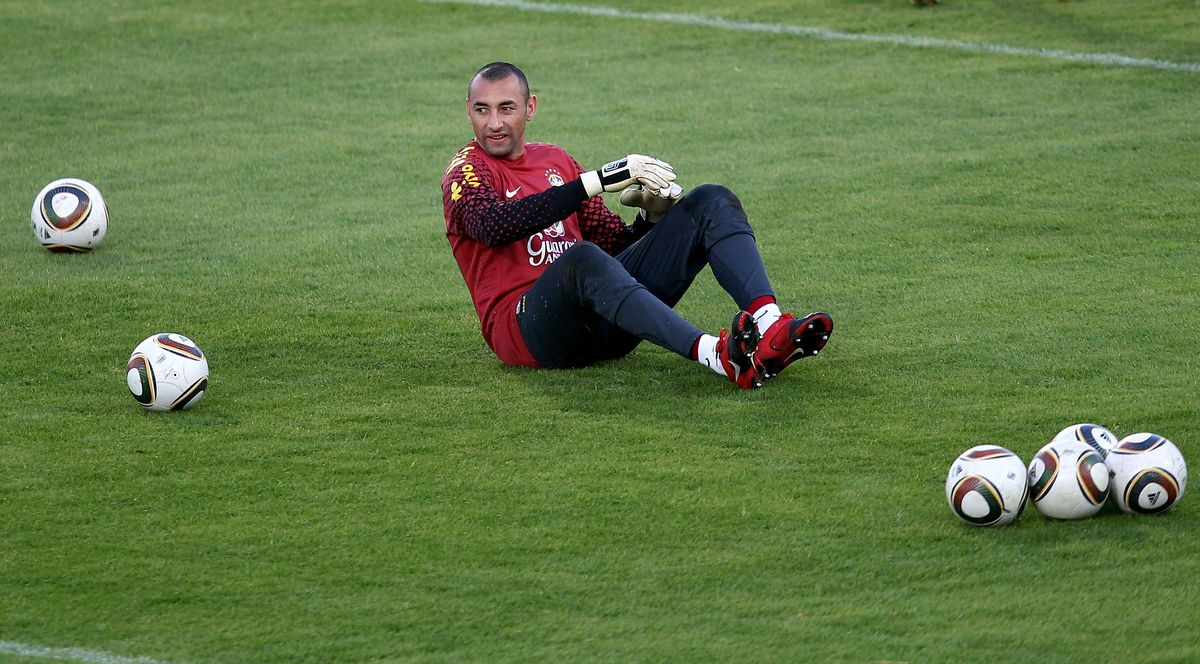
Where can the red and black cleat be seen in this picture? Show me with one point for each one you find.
(790, 338)
(736, 348)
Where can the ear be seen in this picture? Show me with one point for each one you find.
(531, 108)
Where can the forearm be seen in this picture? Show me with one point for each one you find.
(497, 223)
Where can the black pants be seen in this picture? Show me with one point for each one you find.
(589, 306)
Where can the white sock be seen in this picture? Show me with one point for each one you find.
(766, 315)
(706, 353)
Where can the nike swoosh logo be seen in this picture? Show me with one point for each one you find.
(509, 193)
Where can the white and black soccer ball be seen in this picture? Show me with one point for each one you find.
(1068, 479)
(69, 216)
(167, 372)
(1148, 472)
(986, 486)
(1095, 436)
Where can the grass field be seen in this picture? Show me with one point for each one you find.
(1008, 243)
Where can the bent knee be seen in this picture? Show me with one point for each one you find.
(584, 258)
(707, 193)
(584, 252)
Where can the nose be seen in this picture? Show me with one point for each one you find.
(494, 121)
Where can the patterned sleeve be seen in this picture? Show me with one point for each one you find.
(475, 209)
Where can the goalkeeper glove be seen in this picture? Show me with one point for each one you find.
(655, 205)
(653, 174)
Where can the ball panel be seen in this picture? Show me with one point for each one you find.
(1139, 445)
(140, 378)
(977, 501)
(1042, 473)
(983, 452)
(1092, 475)
(180, 345)
(66, 206)
(191, 395)
(1152, 491)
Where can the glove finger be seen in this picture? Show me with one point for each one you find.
(664, 174)
(659, 163)
(661, 179)
(660, 166)
(653, 183)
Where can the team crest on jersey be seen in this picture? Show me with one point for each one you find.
(554, 177)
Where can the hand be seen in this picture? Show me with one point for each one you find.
(655, 204)
(616, 175)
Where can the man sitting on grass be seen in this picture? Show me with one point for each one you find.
(559, 280)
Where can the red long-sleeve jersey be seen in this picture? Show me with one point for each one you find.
(507, 220)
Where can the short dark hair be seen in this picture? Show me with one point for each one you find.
(498, 71)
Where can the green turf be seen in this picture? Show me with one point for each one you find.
(1008, 244)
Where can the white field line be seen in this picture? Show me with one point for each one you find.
(1109, 59)
(70, 654)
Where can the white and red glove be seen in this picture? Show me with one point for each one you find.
(655, 205)
(634, 169)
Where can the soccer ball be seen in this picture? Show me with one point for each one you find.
(69, 215)
(1148, 474)
(167, 372)
(1097, 437)
(986, 486)
(1068, 479)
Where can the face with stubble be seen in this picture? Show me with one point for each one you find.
(498, 111)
